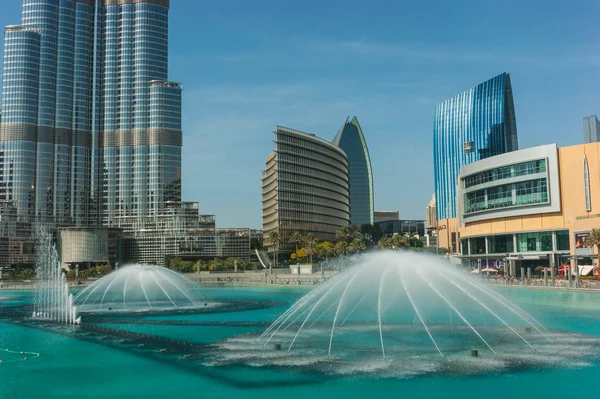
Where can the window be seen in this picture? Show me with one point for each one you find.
(477, 245)
(501, 244)
(534, 242)
(562, 240)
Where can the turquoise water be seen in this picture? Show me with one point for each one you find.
(74, 368)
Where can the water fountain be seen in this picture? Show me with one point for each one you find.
(402, 313)
(52, 300)
(140, 287)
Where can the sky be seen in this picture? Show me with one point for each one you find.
(247, 66)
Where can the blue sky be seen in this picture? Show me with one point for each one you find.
(247, 66)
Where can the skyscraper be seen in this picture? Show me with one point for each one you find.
(430, 215)
(91, 127)
(304, 187)
(591, 129)
(473, 125)
(350, 138)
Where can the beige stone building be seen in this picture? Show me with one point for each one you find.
(532, 207)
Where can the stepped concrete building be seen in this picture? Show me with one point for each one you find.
(305, 187)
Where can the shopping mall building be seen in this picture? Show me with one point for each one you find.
(526, 208)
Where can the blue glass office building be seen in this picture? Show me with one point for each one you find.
(91, 127)
(471, 126)
(351, 140)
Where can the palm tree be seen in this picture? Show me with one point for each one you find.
(275, 240)
(394, 242)
(296, 238)
(343, 233)
(347, 233)
(342, 248)
(593, 240)
(357, 245)
(310, 242)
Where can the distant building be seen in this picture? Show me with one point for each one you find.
(591, 129)
(527, 208)
(410, 227)
(304, 187)
(474, 125)
(86, 247)
(351, 140)
(382, 216)
(430, 217)
(181, 232)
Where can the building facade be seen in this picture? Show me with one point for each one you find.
(410, 227)
(430, 216)
(382, 216)
(85, 247)
(179, 230)
(591, 129)
(305, 187)
(532, 207)
(91, 127)
(474, 125)
(351, 140)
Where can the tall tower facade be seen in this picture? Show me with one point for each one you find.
(591, 129)
(305, 187)
(91, 127)
(471, 126)
(351, 140)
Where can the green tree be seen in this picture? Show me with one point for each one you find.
(357, 245)
(103, 270)
(325, 249)
(414, 242)
(342, 248)
(310, 243)
(275, 240)
(347, 233)
(593, 240)
(297, 238)
(395, 241)
(256, 243)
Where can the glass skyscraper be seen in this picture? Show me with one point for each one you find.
(591, 129)
(91, 128)
(351, 140)
(471, 126)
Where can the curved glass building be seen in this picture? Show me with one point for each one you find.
(305, 187)
(476, 124)
(351, 140)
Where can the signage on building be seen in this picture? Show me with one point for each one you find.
(442, 227)
(580, 246)
(468, 147)
(596, 215)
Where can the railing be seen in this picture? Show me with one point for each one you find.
(539, 282)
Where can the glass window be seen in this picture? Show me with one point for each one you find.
(465, 246)
(520, 169)
(500, 244)
(562, 240)
(477, 245)
(534, 242)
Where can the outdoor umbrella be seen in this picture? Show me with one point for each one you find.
(489, 270)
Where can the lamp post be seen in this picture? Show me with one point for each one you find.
(77, 273)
